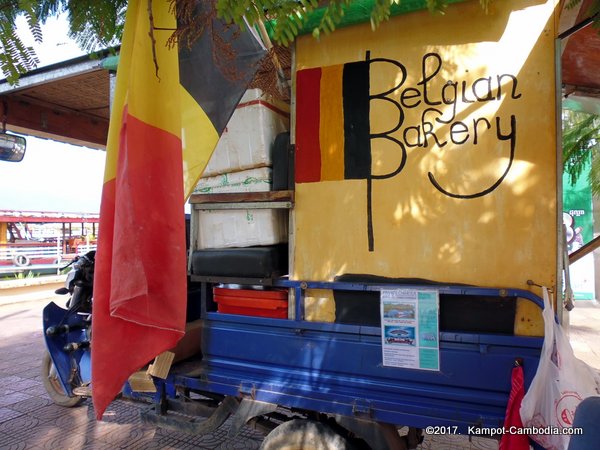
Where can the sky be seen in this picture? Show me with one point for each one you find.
(53, 176)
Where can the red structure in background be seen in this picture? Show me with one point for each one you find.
(65, 235)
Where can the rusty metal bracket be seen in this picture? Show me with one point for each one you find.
(196, 426)
(248, 410)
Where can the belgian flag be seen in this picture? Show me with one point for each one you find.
(332, 139)
(170, 107)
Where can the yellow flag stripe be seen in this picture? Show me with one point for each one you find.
(153, 97)
(120, 94)
(331, 127)
(149, 97)
(198, 138)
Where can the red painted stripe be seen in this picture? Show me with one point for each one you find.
(308, 105)
(266, 105)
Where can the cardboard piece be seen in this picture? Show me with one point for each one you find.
(189, 344)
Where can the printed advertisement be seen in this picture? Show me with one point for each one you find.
(409, 328)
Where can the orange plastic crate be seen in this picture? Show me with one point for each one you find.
(249, 302)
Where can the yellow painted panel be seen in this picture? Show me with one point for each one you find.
(474, 107)
(528, 319)
(319, 305)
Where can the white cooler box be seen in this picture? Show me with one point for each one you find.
(252, 180)
(242, 228)
(249, 135)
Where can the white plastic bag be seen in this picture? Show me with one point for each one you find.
(559, 385)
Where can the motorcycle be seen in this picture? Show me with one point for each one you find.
(66, 365)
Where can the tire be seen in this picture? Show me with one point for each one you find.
(21, 260)
(300, 434)
(53, 386)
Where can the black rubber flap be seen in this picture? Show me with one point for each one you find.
(461, 313)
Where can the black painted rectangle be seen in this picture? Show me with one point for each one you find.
(357, 144)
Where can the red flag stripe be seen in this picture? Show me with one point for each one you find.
(131, 259)
(308, 106)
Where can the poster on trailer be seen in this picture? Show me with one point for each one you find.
(409, 328)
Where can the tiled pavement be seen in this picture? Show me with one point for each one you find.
(584, 332)
(30, 421)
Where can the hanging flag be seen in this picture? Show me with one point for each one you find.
(170, 107)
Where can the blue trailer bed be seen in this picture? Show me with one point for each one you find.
(336, 369)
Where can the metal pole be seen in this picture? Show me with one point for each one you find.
(560, 236)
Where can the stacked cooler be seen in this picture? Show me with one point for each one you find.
(243, 162)
(246, 243)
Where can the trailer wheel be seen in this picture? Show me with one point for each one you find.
(53, 386)
(301, 434)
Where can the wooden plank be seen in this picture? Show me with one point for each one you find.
(585, 250)
(241, 197)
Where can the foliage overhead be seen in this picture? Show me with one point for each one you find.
(289, 17)
(98, 24)
(581, 146)
(93, 25)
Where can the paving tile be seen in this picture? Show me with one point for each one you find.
(19, 446)
(38, 391)
(22, 384)
(7, 414)
(30, 373)
(41, 435)
(12, 398)
(9, 379)
(64, 440)
(118, 434)
(5, 390)
(96, 445)
(51, 412)
(7, 439)
(12, 370)
(19, 424)
(75, 420)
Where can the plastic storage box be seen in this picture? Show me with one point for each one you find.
(250, 133)
(242, 228)
(249, 302)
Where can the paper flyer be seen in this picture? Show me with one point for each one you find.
(410, 328)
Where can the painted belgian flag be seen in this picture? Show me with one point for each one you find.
(332, 139)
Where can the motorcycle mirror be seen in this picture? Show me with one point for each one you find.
(12, 148)
(61, 291)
